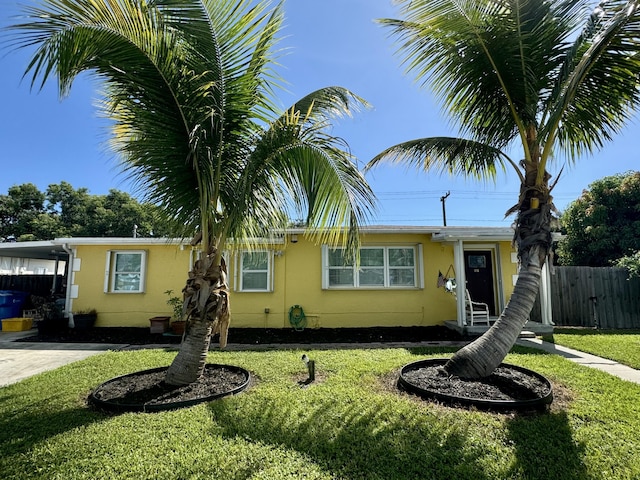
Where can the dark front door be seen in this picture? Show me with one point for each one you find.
(478, 268)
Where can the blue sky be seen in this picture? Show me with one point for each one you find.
(45, 140)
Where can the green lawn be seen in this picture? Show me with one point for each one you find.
(351, 424)
(623, 346)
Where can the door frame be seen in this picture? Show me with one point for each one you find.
(496, 273)
(459, 248)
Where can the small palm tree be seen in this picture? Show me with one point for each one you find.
(189, 86)
(552, 77)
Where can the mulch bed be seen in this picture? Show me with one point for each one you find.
(258, 336)
(508, 388)
(503, 384)
(146, 390)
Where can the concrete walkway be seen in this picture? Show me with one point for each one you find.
(586, 359)
(19, 360)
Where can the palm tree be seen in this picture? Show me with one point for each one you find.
(189, 86)
(554, 78)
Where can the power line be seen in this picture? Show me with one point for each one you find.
(411, 194)
(435, 221)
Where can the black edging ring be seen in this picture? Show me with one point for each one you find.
(137, 407)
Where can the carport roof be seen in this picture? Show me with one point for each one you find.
(44, 250)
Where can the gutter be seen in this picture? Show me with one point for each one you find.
(67, 300)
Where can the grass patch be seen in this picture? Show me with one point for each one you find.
(352, 424)
(621, 346)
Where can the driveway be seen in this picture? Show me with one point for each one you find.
(21, 360)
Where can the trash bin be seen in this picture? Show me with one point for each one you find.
(11, 302)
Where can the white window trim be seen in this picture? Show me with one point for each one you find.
(237, 281)
(109, 274)
(418, 270)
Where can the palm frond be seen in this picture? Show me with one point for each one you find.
(599, 74)
(296, 161)
(454, 156)
(189, 86)
(329, 102)
(491, 57)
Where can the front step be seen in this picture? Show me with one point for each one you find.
(526, 334)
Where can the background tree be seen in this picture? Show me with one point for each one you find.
(118, 213)
(72, 207)
(19, 208)
(189, 86)
(631, 263)
(550, 78)
(29, 214)
(46, 226)
(603, 225)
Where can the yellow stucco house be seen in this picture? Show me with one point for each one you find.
(396, 283)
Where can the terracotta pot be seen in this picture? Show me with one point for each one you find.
(159, 324)
(178, 327)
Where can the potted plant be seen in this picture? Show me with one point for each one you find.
(51, 320)
(85, 319)
(177, 324)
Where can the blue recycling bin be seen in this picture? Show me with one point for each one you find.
(11, 302)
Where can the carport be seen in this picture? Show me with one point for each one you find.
(39, 268)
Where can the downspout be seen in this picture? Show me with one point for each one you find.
(67, 300)
(55, 274)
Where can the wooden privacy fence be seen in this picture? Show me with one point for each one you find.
(600, 297)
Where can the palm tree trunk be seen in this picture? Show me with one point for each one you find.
(206, 308)
(481, 357)
(189, 364)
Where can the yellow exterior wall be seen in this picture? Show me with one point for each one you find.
(509, 265)
(297, 280)
(166, 269)
(365, 307)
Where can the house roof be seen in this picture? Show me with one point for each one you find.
(51, 248)
(71, 241)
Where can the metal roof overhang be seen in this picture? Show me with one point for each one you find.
(43, 250)
(439, 234)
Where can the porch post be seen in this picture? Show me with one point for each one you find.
(55, 275)
(546, 312)
(461, 281)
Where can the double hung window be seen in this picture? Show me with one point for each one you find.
(380, 267)
(255, 271)
(125, 272)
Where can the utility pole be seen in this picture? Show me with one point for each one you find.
(444, 211)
